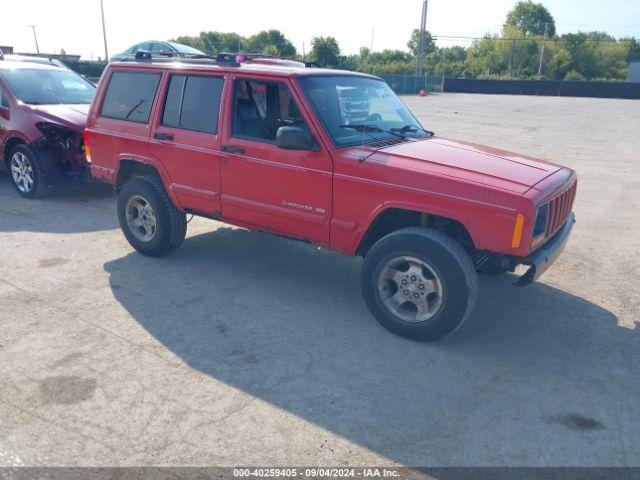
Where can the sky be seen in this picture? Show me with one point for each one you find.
(75, 25)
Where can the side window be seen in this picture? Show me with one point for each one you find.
(4, 103)
(260, 108)
(142, 47)
(130, 95)
(193, 103)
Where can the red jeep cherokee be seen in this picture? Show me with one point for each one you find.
(43, 112)
(269, 145)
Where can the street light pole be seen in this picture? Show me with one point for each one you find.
(423, 26)
(104, 33)
(546, 31)
(35, 37)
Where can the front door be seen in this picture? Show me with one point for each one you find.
(265, 187)
(186, 139)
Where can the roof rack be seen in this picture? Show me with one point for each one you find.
(226, 59)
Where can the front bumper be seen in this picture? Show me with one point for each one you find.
(541, 259)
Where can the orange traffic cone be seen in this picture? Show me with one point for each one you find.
(422, 93)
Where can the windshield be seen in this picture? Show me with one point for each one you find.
(343, 102)
(47, 87)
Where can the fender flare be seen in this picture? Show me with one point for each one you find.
(157, 165)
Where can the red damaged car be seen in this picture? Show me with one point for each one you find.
(275, 146)
(43, 112)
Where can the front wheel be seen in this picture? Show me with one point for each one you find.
(419, 283)
(149, 220)
(27, 175)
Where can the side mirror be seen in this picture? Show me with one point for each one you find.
(295, 138)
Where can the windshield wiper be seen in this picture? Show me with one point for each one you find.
(366, 129)
(413, 129)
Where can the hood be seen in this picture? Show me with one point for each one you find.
(471, 162)
(71, 116)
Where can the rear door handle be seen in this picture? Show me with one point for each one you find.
(163, 136)
(232, 149)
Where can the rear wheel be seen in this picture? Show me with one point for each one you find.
(27, 172)
(419, 283)
(149, 220)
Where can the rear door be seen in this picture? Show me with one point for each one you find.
(266, 187)
(186, 138)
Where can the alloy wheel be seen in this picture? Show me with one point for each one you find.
(410, 289)
(22, 172)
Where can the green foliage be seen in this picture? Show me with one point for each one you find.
(414, 43)
(514, 53)
(574, 76)
(325, 51)
(530, 18)
(271, 42)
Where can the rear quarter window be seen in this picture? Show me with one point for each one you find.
(130, 95)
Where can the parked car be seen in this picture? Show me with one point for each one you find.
(33, 59)
(270, 149)
(354, 103)
(160, 49)
(43, 112)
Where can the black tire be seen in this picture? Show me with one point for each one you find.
(39, 165)
(171, 224)
(446, 258)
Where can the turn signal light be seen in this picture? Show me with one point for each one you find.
(517, 231)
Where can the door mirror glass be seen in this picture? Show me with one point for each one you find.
(295, 138)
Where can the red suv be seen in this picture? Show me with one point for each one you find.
(271, 145)
(43, 111)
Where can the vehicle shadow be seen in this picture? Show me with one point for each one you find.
(70, 208)
(536, 376)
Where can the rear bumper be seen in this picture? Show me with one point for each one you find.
(540, 260)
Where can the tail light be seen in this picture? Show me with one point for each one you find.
(87, 150)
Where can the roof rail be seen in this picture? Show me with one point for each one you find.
(248, 57)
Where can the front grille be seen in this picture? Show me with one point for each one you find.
(559, 209)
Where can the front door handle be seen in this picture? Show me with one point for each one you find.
(163, 136)
(232, 149)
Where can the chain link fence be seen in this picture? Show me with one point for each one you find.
(412, 84)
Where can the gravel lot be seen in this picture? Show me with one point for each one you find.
(246, 349)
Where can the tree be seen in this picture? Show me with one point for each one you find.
(633, 48)
(213, 43)
(272, 42)
(325, 51)
(530, 18)
(414, 43)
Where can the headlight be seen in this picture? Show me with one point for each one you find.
(540, 224)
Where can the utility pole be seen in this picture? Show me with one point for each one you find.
(371, 45)
(423, 26)
(35, 37)
(513, 51)
(104, 33)
(544, 38)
